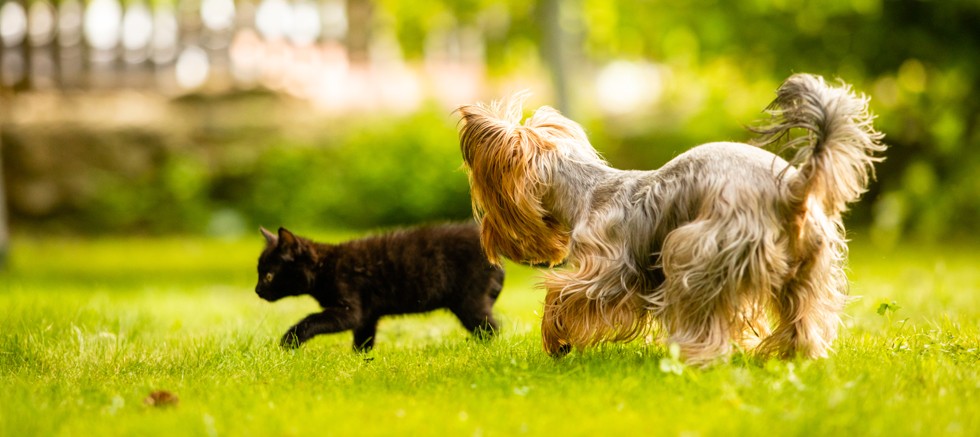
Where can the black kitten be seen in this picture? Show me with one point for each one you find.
(360, 281)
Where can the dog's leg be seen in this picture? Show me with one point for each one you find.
(718, 272)
(552, 332)
(598, 301)
(808, 308)
(697, 292)
(753, 324)
(703, 334)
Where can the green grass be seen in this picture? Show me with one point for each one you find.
(89, 328)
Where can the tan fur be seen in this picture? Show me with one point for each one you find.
(507, 191)
(726, 246)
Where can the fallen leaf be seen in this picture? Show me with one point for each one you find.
(162, 398)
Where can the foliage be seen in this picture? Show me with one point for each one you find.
(381, 173)
(720, 60)
(715, 63)
(917, 60)
(356, 173)
(91, 328)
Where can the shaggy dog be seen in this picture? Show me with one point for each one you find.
(727, 244)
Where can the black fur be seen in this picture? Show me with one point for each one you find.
(358, 282)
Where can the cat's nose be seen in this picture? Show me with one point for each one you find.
(262, 292)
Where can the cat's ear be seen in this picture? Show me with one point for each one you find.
(270, 238)
(286, 238)
(293, 247)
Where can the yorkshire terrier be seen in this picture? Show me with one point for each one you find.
(727, 245)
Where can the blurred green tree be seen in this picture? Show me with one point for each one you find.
(706, 67)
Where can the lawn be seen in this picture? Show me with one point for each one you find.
(89, 328)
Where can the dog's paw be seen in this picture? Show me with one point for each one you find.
(558, 349)
(563, 349)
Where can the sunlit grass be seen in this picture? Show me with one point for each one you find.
(89, 328)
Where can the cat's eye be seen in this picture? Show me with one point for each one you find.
(268, 277)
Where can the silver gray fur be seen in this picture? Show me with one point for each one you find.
(725, 245)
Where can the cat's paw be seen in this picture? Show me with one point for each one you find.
(290, 341)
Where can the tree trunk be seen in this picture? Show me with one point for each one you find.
(4, 231)
(557, 41)
(360, 21)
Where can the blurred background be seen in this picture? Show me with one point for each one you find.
(211, 117)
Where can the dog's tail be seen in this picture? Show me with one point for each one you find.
(836, 158)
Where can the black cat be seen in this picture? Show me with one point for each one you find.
(357, 282)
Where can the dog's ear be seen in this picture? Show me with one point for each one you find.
(488, 124)
(504, 159)
(550, 123)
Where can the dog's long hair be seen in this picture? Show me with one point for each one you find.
(726, 244)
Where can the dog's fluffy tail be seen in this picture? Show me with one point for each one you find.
(836, 158)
